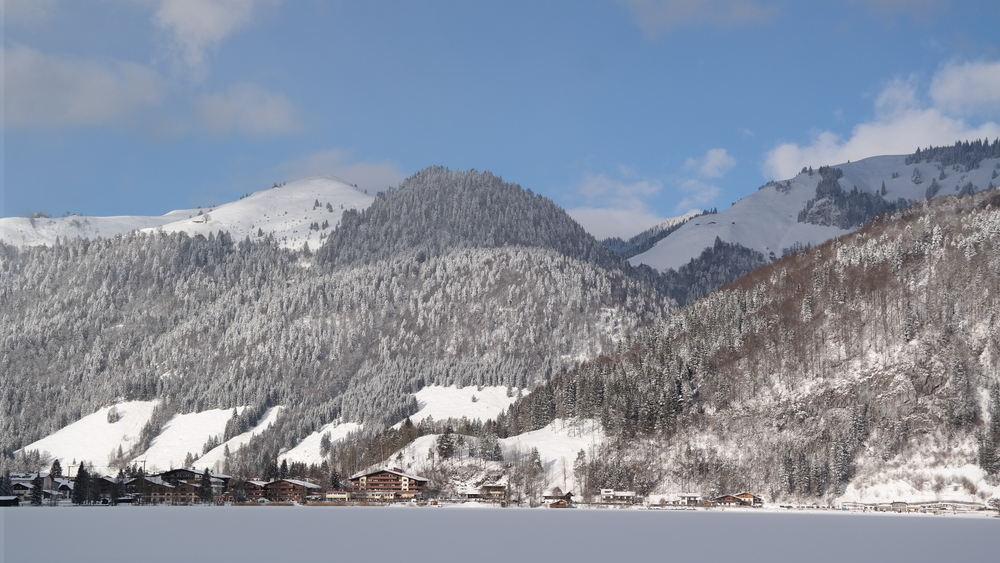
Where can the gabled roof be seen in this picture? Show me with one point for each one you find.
(393, 471)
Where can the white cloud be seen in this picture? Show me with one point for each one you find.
(654, 16)
(615, 222)
(197, 27)
(42, 90)
(371, 175)
(616, 207)
(715, 164)
(901, 124)
(968, 89)
(245, 108)
(602, 185)
(696, 195)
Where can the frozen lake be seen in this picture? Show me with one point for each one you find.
(409, 534)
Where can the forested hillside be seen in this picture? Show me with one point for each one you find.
(876, 351)
(495, 286)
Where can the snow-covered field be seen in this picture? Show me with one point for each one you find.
(452, 402)
(485, 535)
(558, 445)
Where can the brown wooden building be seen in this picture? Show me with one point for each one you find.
(387, 484)
(254, 490)
(288, 490)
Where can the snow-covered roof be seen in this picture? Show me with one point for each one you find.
(305, 484)
(393, 471)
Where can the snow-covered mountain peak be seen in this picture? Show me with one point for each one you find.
(297, 213)
(768, 219)
(300, 212)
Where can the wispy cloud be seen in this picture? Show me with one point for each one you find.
(616, 206)
(655, 16)
(968, 88)
(715, 164)
(903, 122)
(696, 194)
(246, 108)
(41, 90)
(338, 163)
(198, 27)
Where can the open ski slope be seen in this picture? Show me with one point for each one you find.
(93, 438)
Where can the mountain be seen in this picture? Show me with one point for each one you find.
(452, 279)
(808, 209)
(293, 214)
(862, 369)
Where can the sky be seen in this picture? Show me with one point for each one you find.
(624, 112)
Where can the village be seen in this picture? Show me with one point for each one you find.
(379, 487)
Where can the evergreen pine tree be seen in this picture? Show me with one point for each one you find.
(6, 487)
(56, 469)
(81, 485)
(446, 443)
(283, 470)
(36, 490)
(205, 493)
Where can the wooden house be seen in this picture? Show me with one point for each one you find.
(611, 496)
(254, 490)
(11, 500)
(494, 492)
(727, 500)
(750, 499)
(288, 490)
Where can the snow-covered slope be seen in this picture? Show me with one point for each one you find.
(767, 220)
(93, 438)
(183, 434)
(308, 450)
(215, 458)
(24, 231)
(285, 212)
(452, 402)
(435, 401)
(558, 445)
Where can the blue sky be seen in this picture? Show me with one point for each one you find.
(623, 112)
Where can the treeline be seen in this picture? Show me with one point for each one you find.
(963, 153)
(835, 207)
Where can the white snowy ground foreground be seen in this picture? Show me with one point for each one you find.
(486, 535)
